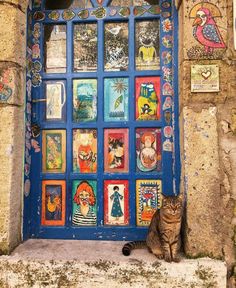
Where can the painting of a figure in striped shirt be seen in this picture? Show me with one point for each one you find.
(84, 203)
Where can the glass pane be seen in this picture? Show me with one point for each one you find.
(55, 108)
(85, 47)
(116, 95)
(84, 100)
(53, 202)
(117, 3)
(148, 199)
(85, 150)
(120, 3)
(145, 3)
(116, 150)
(148, 149)
(116, 54)
(55, 48)
(116, 202)
(84, 203)
(54, 151)
(148, 100)
(65, 4)
(147, 45)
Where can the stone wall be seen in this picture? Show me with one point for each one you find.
(208, 139)
(12, 85)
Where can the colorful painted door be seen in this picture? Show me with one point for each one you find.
(101, 125)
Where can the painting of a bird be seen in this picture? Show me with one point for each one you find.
(206, 31)
(114, 30)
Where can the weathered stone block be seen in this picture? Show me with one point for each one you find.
(11, 159)
(227, 143)
(12, 84)
(204, 211)
(21, 4)
(230, 30)
(12, 35)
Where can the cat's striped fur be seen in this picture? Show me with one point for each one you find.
(163, 239)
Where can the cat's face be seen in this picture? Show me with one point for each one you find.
(172, 205)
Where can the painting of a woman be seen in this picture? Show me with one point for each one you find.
(116, 210)
(147, 155)
(85, 199)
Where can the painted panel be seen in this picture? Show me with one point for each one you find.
(85, 47)
(147, 91)
(116, 150)
(147, 45)
(116, 93)
(206, 30)
(120, 3)
(55, 100)
(85, 150)
(84, 100)
(84, 195)
(55, 48)
(148, 149)
(116, 54)
(205, 78)
(53, 202)
(116, 202)
(148, 199)
(54, 151)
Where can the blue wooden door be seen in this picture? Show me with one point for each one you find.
(104, 126)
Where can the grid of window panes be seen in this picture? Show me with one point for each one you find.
(101, 122)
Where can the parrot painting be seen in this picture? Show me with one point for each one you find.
(206, 31)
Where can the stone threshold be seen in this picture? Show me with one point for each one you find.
(95, 264)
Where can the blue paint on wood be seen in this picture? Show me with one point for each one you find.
(32, 209)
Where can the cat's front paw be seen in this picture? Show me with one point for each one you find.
(167, 258)
(176, 259)
(159, 256)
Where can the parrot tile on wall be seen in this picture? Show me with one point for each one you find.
(208, 29)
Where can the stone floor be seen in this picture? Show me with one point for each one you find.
(95, 264)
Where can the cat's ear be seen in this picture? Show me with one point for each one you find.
(180, 197)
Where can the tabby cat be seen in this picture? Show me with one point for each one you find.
(163, 239)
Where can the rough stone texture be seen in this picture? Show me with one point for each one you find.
(12, 35)
(231, 52)
(51, 263)
(11, 159)
(21, 4)
(227, 141)
(211, 207)
(202, 183)
(12, 77)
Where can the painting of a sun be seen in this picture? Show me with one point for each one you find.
(119, 85)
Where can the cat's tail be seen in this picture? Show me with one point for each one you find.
(128, 247)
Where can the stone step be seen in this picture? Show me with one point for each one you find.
(95, 264)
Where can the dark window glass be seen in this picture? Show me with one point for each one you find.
(65, 4)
